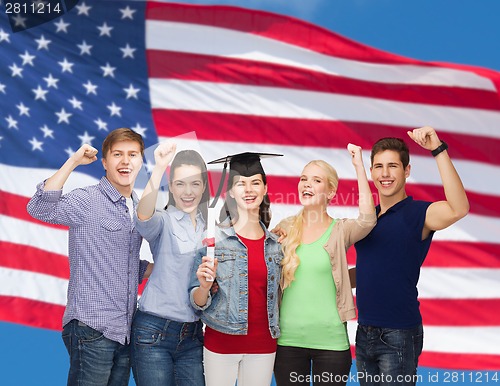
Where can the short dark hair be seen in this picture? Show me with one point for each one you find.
(395, 144)
(118, 135)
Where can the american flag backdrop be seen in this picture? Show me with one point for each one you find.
(246, 80)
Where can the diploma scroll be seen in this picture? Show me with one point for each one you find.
(209, 241)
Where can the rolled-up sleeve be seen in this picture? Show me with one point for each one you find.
(195, 283)
(357, 229)
(151, 228)
(53, 207)
(196, 306)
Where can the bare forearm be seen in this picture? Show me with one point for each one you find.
(57, 181)
(366, 204)
(452, 185)
(200, 296)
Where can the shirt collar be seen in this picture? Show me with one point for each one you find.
(111, 191)
(179, 214)
(396, 206)
(229, 230)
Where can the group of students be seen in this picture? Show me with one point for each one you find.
(271, 301)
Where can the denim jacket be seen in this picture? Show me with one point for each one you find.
(227, 310)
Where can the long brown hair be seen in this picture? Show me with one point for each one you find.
(230, 209)
(191, 158)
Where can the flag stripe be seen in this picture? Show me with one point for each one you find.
(459, 283)
(331, 133)
(37, 236)
(30, 312)
(215, 69)
(36, 286)
(285, 50)
(300, 104)
(438, 312)
(25, 257)
(14, 205)
(460, 361)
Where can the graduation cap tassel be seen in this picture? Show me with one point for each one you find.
(209, 241)
(219, 189)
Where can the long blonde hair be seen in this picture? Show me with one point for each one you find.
(294, 227)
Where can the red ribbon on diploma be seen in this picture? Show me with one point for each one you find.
(209, 242)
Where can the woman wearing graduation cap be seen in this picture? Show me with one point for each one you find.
(317, 297)
(167, 335)
(242, 316)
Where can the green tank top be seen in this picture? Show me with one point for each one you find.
(308, 313)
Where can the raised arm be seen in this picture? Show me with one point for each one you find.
(441, 214)
(366, 205)
(164, 153)
(85, 155)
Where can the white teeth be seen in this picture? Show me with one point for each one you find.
(124, 170)
(385, 183)
(307, 194)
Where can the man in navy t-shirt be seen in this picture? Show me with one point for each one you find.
(389, 337)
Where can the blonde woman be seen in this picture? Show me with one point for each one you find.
(317, 298)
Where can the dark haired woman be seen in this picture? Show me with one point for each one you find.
(242, 316)
(167, 336)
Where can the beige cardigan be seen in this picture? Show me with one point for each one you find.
(345, 233)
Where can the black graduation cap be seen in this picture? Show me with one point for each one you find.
(243, 164)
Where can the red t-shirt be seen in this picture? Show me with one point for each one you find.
(258, 339)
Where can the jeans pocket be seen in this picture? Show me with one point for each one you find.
(418, 343)
(146, 337)
(393, 338)
(200, 337)
(86, 334)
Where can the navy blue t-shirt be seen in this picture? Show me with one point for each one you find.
(388, 267)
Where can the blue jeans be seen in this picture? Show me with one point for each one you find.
(387, 356)
(94, 359)
(165, 352)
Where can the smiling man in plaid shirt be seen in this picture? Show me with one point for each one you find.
(105, 269)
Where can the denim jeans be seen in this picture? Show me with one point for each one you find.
(165, 352)
(387, 356)
(94, 359)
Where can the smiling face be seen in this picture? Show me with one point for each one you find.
(122, 164)
(314, 188)
(187, 187)
(389, 175)
(248, 192)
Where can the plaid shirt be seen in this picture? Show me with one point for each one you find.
(105, 269)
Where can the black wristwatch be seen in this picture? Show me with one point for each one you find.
(440, 148)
